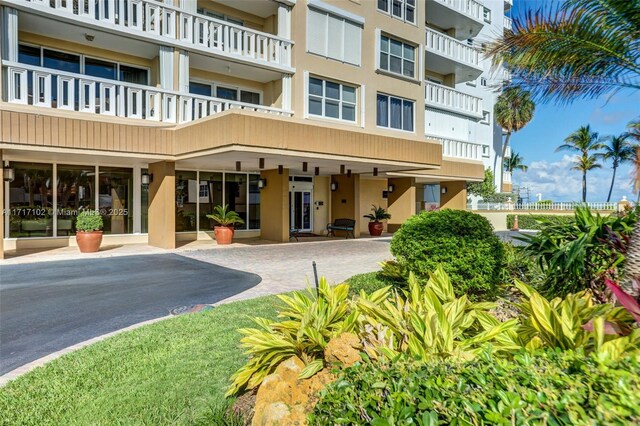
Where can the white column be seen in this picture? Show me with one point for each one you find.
(166, 67)
(284, 21)
(286, 92)
(9, 34)
(137, 199)
(184, 72)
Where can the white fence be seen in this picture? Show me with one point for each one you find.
(158, 19)
(507, 23)
(44, 87)
(452, 48)
(471, 8)
(451, 99)
(562, 206)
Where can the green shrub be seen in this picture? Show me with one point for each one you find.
(89, 220)
(552, 387)
(518, 264)
(538, 221)
(462, 242)
(580, 254)
(368, 283)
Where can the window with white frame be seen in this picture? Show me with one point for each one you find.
(486, 117)
(486, 151)
(225, 92)
(334, 37)
(486, 14)
(220, 16)
(395, 113)
(483, 81)
(397, 57)
(330, 99)
(401, 9)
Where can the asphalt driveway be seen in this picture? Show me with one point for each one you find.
(48, 306)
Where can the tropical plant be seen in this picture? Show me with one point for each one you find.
(575, 256)
(515, 162)
(573, 322)
(513, 110)
(88, 221)
(379, 213)
(483, 189)
(308, 321)
(225, 217)
(428, 321)
(583, 142)
(619, 151)
(462, 242)
(574, 49)
(545, 388)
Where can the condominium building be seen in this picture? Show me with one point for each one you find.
(292, 112)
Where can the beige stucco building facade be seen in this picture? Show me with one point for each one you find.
(293, 112)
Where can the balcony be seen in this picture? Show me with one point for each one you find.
(458, 149)
(507, 23)
(446, 55)
(449, 99)
(47, 88)
(466, 16)
(156, 22)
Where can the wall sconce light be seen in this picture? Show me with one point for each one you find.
(349, 173)
(375, 171)
(238, 166)
(443, 189)
(334, 186)
(305, 166)
(261, 163)
(8, 174)
(89, 37)
(317, 172)
(262, 183)
(342, 168)
(391, 188)
(146, 178)
(280, 169)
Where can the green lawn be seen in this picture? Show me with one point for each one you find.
(172, 372)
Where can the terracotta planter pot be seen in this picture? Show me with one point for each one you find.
(224, 234)
(376, 228)
(89, 242)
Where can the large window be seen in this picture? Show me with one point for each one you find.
(254, 202)
(225, 92)
(401, 9)
(395, 113)
(116, 199)
(210, 193)
(220, 16)
(332, 100)
(31, 200)
(334, 37)
(186, 201)
(397, 57)
(75, 189)
(235, 195)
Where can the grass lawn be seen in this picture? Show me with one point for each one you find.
(172, 372)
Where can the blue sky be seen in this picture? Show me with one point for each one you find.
(549, 171)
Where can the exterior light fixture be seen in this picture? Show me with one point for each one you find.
(261, 163)
(89, 37)
(349, 173)
(375, 171)
(238, 166)
(280, 169)
(305, 166)
(262, 182)
(334, 186)
(8, 174)
(391, 188)
(443, 190)
(317, 171)
(146, 178)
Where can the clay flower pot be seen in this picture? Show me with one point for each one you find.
(376, 228)
(224, 234)
(89, 242)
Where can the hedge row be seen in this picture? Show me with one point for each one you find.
(531, 221)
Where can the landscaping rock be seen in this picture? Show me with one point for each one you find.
(344, 349)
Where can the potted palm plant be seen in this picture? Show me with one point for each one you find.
(226, 220)
(375, 225)
(89, 231)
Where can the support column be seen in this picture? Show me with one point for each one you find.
(402, 202)
(284, 21)
(454, 196)
(345, 200)
(162, 205)
(274, 206)
(166, 55)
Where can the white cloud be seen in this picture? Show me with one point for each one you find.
(556, 181)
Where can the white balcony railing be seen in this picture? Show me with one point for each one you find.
(470, 8)
(507, 23)
(156, 19)
(451, 48)
(542, 206)
(459, 149)
(440, 96)
(43, 87)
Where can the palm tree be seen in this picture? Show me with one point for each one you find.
(574, 49)
(583, 141)
(515, 162)
(619, 151)
(634, 130)
(513, 110)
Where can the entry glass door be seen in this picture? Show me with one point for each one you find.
(300, 209)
